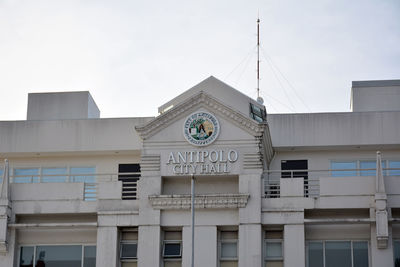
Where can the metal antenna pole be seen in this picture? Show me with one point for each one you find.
(192, 210)
(258, 58)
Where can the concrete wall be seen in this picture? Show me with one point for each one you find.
(334, 130)
(61, 105)
(375, 96)
(60, 136)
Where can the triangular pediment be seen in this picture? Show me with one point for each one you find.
(195, 102)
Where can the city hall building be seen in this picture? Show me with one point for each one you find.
(293, 190)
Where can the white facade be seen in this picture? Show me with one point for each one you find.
(271, 190)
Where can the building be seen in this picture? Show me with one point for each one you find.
(271, 190)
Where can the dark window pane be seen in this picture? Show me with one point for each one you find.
(172, 249)
(89, 259)
(58, 256)
(360, 254)
(397, 253)
(128, 251)
(337, 254)
(26, 257)
(315, 254)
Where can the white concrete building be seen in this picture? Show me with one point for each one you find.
(293, 190)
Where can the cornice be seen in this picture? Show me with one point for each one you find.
(200, 100)
(211, 201)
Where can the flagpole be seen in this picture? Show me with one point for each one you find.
(192, 211)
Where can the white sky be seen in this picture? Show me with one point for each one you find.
(133, 55)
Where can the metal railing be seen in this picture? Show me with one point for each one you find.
(272, 187)
(90, 181)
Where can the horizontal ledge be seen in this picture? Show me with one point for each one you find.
(51, 225)
(209, 201)
(334, 221)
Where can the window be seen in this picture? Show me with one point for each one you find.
(273, 248)
(83, 174)
(228, 248)
(396, 253)
(257, 113)
(172, 248)
(129, 174)
(54, 175)
(344, 168)
(337, 253)
(394, 164)
(128, 247)
(1, 174)
(370, 164)
(364, 168)
(55, 256)
(30, 175)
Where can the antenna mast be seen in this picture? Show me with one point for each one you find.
(258, 58)
(259, 99)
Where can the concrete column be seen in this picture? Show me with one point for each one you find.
(250, 245)
(107, 246)
(205, 246)
(149, 246)
(250, 233)
(381, 257)
(294, 245)
(10, 258)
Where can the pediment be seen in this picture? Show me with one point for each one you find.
(195, 102)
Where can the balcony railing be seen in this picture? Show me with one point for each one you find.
(311, 188)
(90, 181)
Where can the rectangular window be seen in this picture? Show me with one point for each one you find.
(337, 253)
(394, 164)
(344, 168)
(128, 247)
(228, 248)
(370, 164)
(54, 175)
(129, 174)
(273, 248)
(56, 256)
(83, 174)
(172, 248)
(257, 113)
(396, 253)
(26, 258)
(1, 175)
(26, 175)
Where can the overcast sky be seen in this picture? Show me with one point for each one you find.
(133, 56)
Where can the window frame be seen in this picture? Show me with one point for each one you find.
(228, 241)
(273, 241)
(172, 256)
(54, 245)
(128, 242)
(359, 171)
(338, 240)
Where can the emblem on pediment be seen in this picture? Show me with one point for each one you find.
(201, 128)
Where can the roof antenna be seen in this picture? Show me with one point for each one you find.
(259, 99)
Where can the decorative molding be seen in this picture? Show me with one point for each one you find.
(252, 161)
(150, 163)
(201, 100)
(210, 201)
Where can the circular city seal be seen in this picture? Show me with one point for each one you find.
(201, 128)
